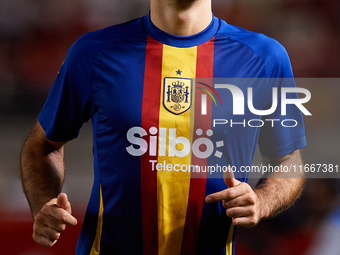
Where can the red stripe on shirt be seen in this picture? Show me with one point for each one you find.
(150, 118)
(204, 69)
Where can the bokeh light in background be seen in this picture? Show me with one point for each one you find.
(34, 39)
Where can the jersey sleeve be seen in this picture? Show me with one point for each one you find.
(69, 103)
(282, 134)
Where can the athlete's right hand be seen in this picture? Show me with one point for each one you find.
(51, 220)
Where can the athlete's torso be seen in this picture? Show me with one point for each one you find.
(157, 116)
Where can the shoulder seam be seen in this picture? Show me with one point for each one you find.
(246, 45)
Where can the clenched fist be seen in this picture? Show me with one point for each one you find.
(240, 201)
(52, 219)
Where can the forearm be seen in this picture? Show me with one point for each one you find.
(279, 191)
(276, 195)
(42, 171)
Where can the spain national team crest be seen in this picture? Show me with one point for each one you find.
(177, 94)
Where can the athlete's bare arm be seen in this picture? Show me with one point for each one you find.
(271, 196)
(42, 176)
(280, 189)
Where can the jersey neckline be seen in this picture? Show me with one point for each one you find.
(181, 41)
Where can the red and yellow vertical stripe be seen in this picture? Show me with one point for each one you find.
(204, 69)
(173, 186)
(150, 118)
(172, 201)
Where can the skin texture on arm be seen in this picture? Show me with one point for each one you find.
(271, 196)
(41, 168)
(42, 177)
(284, 188)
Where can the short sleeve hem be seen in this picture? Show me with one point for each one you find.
(284, 150)
(49, 132)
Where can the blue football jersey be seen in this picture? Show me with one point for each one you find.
(169, 115)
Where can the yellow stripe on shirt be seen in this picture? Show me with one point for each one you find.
(173, 186)
(229, 246)
(96, 244)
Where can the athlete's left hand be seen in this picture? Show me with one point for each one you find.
(240, 201)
